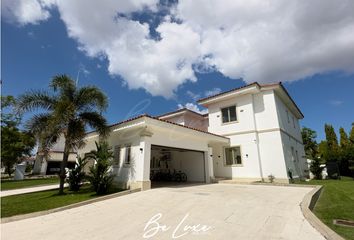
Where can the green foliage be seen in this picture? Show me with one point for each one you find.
(29, 168)
(68, 110)
(332, 152)
(335, 202)
(77, 175)
(310, 144)
(8, 116)
(344, 140)
(342, 154)
(100, 177)
(44, 200)
(351, 135)
(14, 143)
(316, 169)
(331, 137)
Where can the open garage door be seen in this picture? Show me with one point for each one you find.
(176, 166)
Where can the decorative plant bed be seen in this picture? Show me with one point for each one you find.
(341, 222)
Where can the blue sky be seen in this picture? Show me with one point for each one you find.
(33, 52)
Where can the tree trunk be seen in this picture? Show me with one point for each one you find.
(8, 169)
(62, 169)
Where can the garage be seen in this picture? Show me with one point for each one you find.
(169, 165)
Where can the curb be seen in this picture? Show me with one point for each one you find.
(59, 209)
(307, 205)
(41, 185)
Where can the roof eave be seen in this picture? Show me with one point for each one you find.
(252, 88)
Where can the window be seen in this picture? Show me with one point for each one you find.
(293, 121)
(297, 156)
(292, 154)
(229, 114)
(233, 156)
(127, 155)
(116, 160)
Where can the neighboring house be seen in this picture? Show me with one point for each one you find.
(249, 133)
(50, 164)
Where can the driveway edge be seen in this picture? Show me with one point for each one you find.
(307, 205)
(74, 205)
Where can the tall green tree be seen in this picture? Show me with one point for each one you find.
(351, 134)
(331, 136)
(309, 141)
(346, 154)
(15, 143)
(67, 110)
(344, 140)
(332, 144)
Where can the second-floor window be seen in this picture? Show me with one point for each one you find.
(229, 114)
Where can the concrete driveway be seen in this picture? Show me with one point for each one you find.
(217, 211)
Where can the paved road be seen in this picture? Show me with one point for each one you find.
(30, 189)
(224, 211)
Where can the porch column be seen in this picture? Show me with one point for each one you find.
(210, 161)
(145, 151)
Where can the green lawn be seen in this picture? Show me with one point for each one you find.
(44, 200)
(11, 184)
(336, 202)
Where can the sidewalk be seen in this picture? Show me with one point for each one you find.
(29, 190)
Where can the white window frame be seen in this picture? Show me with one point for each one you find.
(228, 107)
(117, 151)
(128, 155)
(234, 164)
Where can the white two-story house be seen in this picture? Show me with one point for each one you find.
(249, 134)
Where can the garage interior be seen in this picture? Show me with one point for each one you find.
(176, 166)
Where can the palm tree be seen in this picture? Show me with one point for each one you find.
(68, 111)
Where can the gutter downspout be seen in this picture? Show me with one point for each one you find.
(257, 140)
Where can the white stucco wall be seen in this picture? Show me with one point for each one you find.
(250, 163)
(290, 126)
(272, 156)
(189, 119)
(191, 163)
(122, 172)
(261, 118)
(298, 165)
(244, 116)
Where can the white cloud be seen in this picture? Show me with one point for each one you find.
(193, 107)
(257, 40)
(212, 92)
(26, 11)
(269, 41)
(194, 96)
(336, 103)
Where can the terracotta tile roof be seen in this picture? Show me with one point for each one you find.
(161, 120)
(178, 111)
(287, 93)
(195, 129)
(259, 85)
(222, 93)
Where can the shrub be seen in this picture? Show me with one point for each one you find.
(29, 168)
(100, 177)
(316, 169)
(77, 175)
